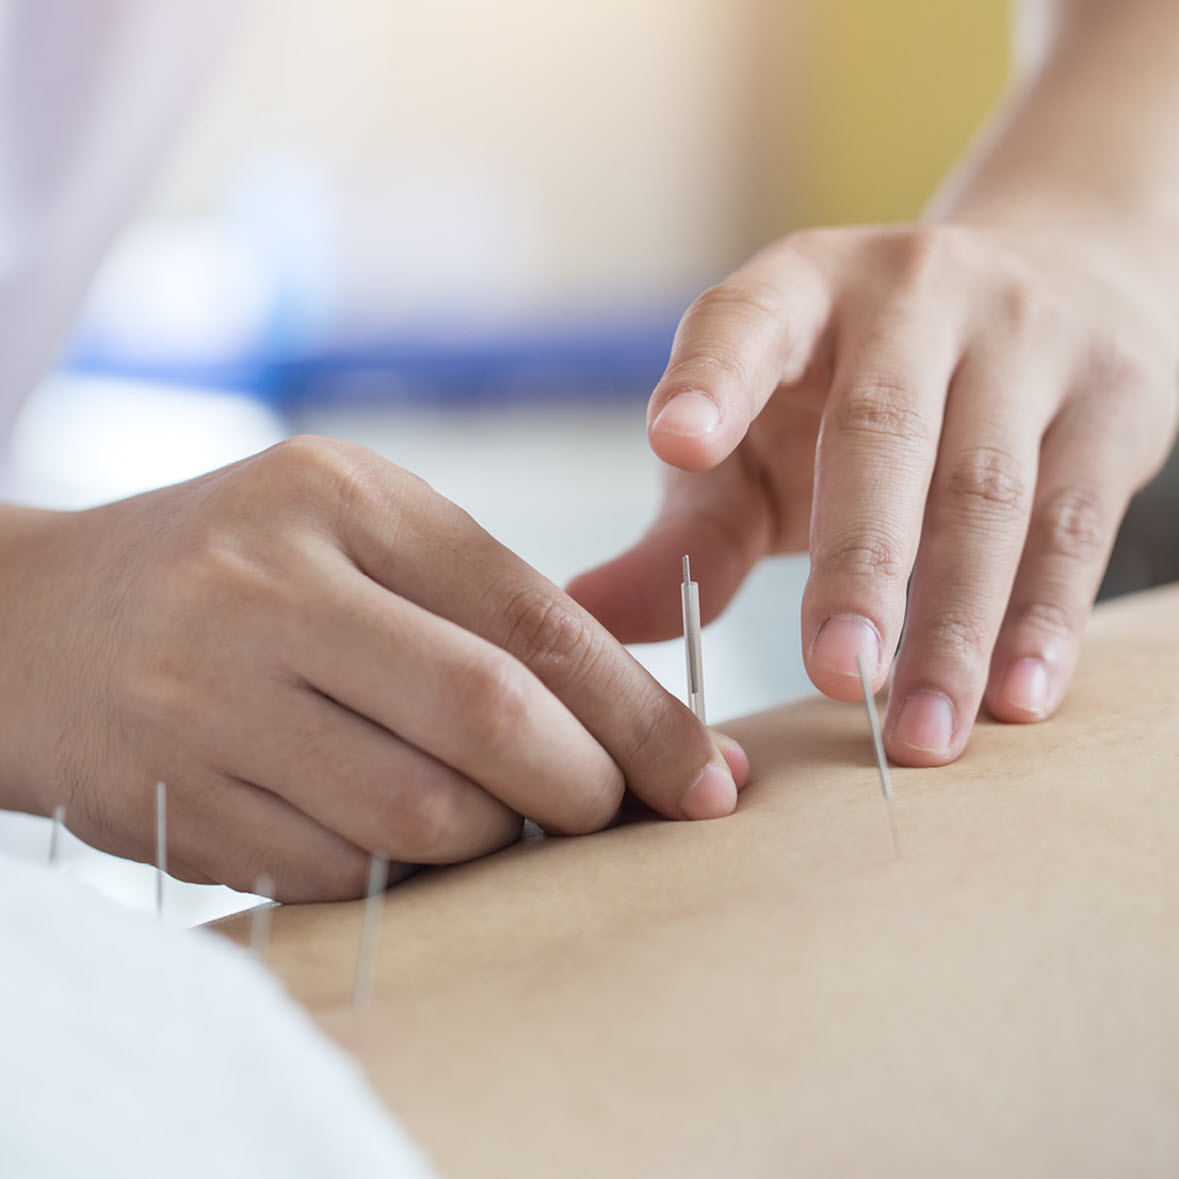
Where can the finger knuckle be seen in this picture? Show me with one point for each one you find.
(1073, 524)
(308, 467)
(989, 480)
(1050, 617)
(423, 821)
(924, 254)
(707, 347)
(882, 409)
(551, 634)
(742, 298)
(490, 696)
(1121, 362)
(958, 638)
(309, 457)
(1133, 392)
(1025, 307)
(863, 556)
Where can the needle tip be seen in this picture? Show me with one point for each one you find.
(687, 570)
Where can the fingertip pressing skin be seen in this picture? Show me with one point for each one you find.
(736, 758)
(1023, 694)
(712, 796)
(922, 730)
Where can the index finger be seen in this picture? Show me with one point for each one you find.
(461, 573)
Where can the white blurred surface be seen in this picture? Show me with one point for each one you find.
(564, 487)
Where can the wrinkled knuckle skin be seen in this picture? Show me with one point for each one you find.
(739, 297)
(550, 635)
(705, 344)
(989, 480)
(879, 408)
(956, 637)
(1072, 525)
(863, 557)
(1046, 617)
(702, 364)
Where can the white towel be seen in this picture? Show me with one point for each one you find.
(131, 1050)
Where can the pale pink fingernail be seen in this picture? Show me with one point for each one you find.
(735, 757)
(691, 415)
(1026, 687)
(841, 639)
(926, 722)
(712, 796)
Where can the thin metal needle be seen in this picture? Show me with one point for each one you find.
(161, 844)
(878, 745)
(55, 833)
(260, 919)
(378, 882)
(690, 596)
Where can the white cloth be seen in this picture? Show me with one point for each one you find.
(91, 94)
(135, 1051)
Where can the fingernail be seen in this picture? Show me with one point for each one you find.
(926, 722)
(712, 796)
(735, 757)
(1026, 686)
(691, 414)
(841, 639)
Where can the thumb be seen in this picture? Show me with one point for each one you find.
(723, 529)
(734, 346)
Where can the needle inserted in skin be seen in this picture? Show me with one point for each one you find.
(690, 595)
(878, 745)
(55, 833)
(260, 919)
(378, 882)
(161, 844)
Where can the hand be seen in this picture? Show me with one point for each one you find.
(953, 417)
(323, 659)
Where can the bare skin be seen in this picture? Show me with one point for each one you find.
(950, 416)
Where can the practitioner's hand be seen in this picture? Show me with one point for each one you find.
(323, 659)
(953, 406)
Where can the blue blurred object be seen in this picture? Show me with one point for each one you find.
(619, 359)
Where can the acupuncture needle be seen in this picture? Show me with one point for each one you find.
(161, 845)
(55, 833)
(260, 919)
(878, 746)
(378, 882)
(690, 595)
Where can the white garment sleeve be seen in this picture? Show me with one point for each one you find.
(91, 93)
(131, 1051)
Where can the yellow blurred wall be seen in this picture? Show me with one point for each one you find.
(885, 96)
(635, 147)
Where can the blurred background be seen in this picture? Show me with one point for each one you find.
(462, 234)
